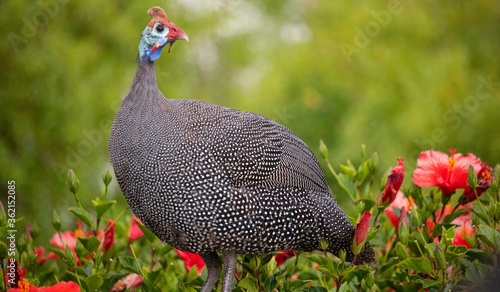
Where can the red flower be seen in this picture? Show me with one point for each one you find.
(400, 202)
(69, 238)
(283, 256)
(59, 287)
(362, 228)
(130, 281)
(135, 231)
(447, 173)
(190, 260)
(394, 181)
(484, 179)
(109, 236)
(464, 222)
(19, 274)
(463, 230)
(403, 217)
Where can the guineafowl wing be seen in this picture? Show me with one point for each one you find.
(255, 150)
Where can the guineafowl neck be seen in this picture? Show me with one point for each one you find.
(144, 84)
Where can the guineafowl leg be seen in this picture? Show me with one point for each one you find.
(229, 258)
(214, 268)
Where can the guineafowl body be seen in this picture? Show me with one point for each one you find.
(206, 178)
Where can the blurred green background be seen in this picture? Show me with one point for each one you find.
(398, 76)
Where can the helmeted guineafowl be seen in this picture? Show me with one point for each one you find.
(206, 178)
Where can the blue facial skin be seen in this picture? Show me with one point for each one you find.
(149, 39)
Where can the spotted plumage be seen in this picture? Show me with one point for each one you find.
(206, 178)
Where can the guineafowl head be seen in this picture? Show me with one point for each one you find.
(159, 32)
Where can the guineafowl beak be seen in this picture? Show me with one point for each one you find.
(175, 34)
(178, 35)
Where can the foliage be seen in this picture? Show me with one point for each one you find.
(433, 247)
(428, 78)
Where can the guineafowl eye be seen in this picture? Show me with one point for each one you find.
(159, 28)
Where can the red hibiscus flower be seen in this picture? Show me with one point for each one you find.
(464, 229)
(59, 287)
(135, 231)
(109, 236)
(394, 181)
(283, 256)
(190, 260)
(360, 234)
(464, 222)
(447, 173)
(484, 179)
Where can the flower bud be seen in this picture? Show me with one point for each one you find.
(323, 244)
(360, 233)
(56, 221)
(323, 149)
(106, 178)
(440, 259)
(342, 255)
(21, 244)
(415, 217)
(472, 176)
(369, 281)
(70, 257)
(72, 182)
(31, 256)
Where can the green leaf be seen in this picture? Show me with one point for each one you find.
(455, 251)
(438, 230)
(483, 256)
(347, 185)
(90, 243)
(151, 278)
(344, 288)
(102, 207)
(448, 218)
(472, 272)
(326, 270)
(368, 204)
(363, 170)
(249, 284)
(74, 277)
(419, 265)
(316, 289)
(428, 283)
(318, 259)
(488, 236)
(149, 235)
(180, 285)
(131, 264)
(82, 215)
(270, 283)
(295, 285)
(349, 170)
(94, 282)
(479, 213)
